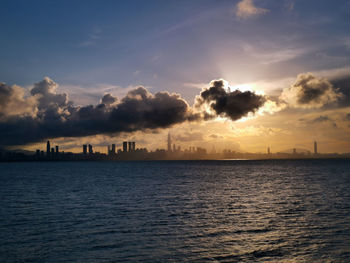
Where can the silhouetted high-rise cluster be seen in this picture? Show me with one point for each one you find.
(128, 151)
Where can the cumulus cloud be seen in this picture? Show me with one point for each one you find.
(217, 101)
(109, 100)
(48, 114)
(13, 102)
(310, 92)
(246, 9)
(46, 91)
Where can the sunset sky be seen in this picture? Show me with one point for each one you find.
(266, 73)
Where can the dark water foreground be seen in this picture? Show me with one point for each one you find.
(205, 211)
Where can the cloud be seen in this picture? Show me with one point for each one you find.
(347, 117)
(216, 136)
(14, 103)
(109, 100)
(217, 101)
(48, 114)
(46, 91)
(310, 92)
(321, 118)
(45, 113)
(246, 9)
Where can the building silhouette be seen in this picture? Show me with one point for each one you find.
(57, 149)
(133, 145)
(84, 149)
(268, 150)
(125, 146)
(294, 151)
(315, 147)
(90, 149)
(48, 148)
(169, 142)
(113, 149)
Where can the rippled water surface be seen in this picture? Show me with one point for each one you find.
(200, 211)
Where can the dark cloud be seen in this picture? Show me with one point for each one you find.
(310, 92)
(347, 117)
(109, 99)
(319, 120)
(216, 136)
(57, 117)
(46, 91)
(322, 119)
(343, 85)
(44, 113)
(232, 104)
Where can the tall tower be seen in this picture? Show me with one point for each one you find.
(48, 148)
(125, 146)
(84, 149)
(268, 151)
(129, 146)
(315, 147)
(90, 149)
(113, 148)
(169, 142)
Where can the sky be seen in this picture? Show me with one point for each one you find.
(276, 74)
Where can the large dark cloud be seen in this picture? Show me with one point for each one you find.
(217, 101)
(44, 113)
(54, 116)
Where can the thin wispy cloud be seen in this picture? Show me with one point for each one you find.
(247, 9)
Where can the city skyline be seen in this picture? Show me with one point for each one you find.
(128, 150)
(130, 146)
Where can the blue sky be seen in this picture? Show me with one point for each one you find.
(166, 44)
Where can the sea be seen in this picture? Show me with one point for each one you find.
(175, 211)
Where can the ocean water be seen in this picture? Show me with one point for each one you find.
(181, 211)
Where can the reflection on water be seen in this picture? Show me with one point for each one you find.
(220, 211)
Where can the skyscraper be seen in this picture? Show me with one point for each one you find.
(169, 142)
(113, 149)
(133, 146)
(90, 149)
(84, 149)
(268, 150)
(57, 149)
(315, 147)
(125, 146)
(130, 146)
(48, 148)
